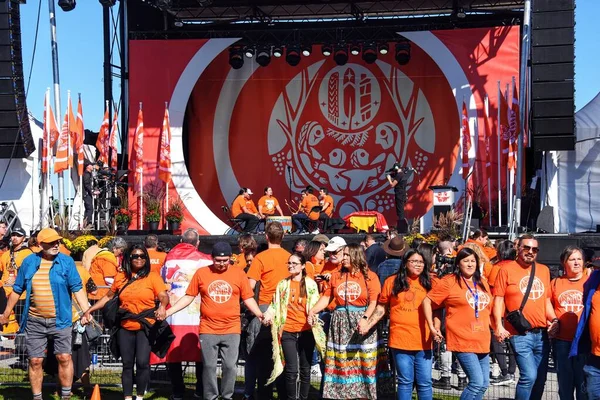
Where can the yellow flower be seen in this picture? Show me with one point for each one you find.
(104, 241)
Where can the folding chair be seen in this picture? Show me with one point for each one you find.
(236, 223)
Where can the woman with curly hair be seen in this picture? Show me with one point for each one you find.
(351, 357)
(314, 253)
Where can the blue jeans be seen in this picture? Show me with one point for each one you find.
(569, 371)
(531, 352)
(592, 377)
(477, 368)
(413, 367)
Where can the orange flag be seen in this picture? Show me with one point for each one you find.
(64, 152)
(466, 141)
(488, 139)
(513, 129)
(504, 128)
(114, 140)
(79, 138)
(102, 141)
(164, 162)
(138, 149)
(51, 134)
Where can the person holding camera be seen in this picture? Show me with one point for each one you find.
(523, 314)
(398, 179)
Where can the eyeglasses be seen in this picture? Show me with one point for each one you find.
(138, 256)
(416, 262)
(55, 243)
(293, 263)
(527, 249)
(221, 262)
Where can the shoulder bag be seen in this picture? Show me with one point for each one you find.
(110, 317)
(516, 317)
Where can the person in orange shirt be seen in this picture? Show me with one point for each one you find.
(355, 290)
(531, 348)
(309, 201)
(314, 253)
(409, 340)
(567, 299)
(248, 247)
(105, 266)
(221, 290)
(327, 207)
(485, 266)
(157, 258)
(268, 204)
(467, 298)
(243, 208)
(480, 238)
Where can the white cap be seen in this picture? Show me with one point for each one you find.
(335, 243)
(249, 192)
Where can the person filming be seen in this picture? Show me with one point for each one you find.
(398, 177)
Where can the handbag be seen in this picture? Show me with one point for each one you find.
(93, 330)
(516, 317)
(110, 311)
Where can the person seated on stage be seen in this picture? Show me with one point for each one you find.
(309, 200)
(243, 208)
(327, 207)
(268, 203)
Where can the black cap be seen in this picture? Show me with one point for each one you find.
(19, 231)
(221, 249)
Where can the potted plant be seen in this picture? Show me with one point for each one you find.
(152, 218)
(174, 215)
(122, 218)
(153, 197)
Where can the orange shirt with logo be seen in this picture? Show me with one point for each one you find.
(220, 296)
(567, 301)
(269, 205)
(308, 202)
(511, 283)
(157, 260)
(407, 328)
(138, 296)
(594, 323)
(296, 320)
(269, 267)
(465, 332)
(238, 206)
(329, 210)
(352, 289)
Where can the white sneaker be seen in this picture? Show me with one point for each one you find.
(315, 232)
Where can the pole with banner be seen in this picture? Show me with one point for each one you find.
(164, 162)
(499, 154)
(488, 164)
(138, 150)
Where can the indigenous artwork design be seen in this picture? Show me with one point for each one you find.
(571, 301)
(537, 288)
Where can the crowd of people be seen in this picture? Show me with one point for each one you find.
(361, 314)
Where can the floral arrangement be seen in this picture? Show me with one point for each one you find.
(152, 216)
(68, 244)
(104, 241)
(175, 212)
(122, 216)
(80, 243)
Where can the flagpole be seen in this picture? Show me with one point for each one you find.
(45, 175)
(486, 102)
(509, 190)
(499, 160)
(167, 183)
(141, 191)
(69, 150)
(81, 204)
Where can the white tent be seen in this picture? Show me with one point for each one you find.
(571, 179)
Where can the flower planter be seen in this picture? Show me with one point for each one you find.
(153, 226)
(174, 226)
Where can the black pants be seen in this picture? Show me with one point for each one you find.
(251, 221)
(176, 376)
(261, 357)
(134, 346)
(297, 350)
(89, 209)
(502, 351)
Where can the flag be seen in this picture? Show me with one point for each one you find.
(51, 134)
(466, 141)
(114, 140)
(138, 149)
(164, 162)
(513, 129)
(102, 141)
(504, 128)
(487, 134)
(63, 152)
(79, 138)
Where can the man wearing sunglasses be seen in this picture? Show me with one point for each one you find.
(50, 278)
(531, 347)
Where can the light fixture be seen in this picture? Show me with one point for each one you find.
(369, 53)
(355, 49)
(277, 52)
(340, 55)
(236, 58)
(263, 56)
(402, 54)
(326, 50)
(460, 13)
(306, 50)
(249, 52)
(67, 5)
(178, 23)
(384, 48)
(292, 55)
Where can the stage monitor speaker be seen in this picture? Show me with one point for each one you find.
(15, 132)
(552, 74)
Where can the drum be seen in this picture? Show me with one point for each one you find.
(286, 222)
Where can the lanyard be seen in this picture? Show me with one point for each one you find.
(475, 294)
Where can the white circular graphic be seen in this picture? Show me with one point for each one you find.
(484, 299)
(220, 291)
(571, 301)
(350, 291)
(537, 289)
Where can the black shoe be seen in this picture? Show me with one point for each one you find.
(462, 383)
(443, 383)
(503, 380)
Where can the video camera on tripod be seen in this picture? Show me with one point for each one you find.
(444, 265)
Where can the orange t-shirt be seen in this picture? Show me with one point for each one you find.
(238, 260)
(220, 296)
(352, 289)
(487, 271)
(567, 301)
(269, 267)
(465, 332)
(138, 296)
(105, 264)
(314, 267)
(594, 323)
(296, 320)
(511, 283)
(494, 272)
(238, 206)
(408, 330)
(157, 260)
(329, 210)
(269, 205)
(308, 202)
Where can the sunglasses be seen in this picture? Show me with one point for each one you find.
(534, 250)
(55, 243)
(137, 257)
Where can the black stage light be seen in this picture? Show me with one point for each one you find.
(292, 55)
(384, 48)
(108, 3)
(249, 52)
(277, 52)
(369, 53)
(403, 52)
(263, 56)
(306, 50)
(236, 58)
(67, 5)
(355, 49)
(340, 55)
(326, 50)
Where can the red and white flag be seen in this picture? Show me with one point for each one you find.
(103, 139)
(504, 128)
(138, 150)
(51, 134)
(513, 129)
(79, 138)
(466, 141)
(114, 141)
(64, 151)
(487, 134)
(164, 162)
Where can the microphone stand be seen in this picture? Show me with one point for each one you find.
(289, 169)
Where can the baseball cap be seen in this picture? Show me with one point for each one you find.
(321, 238)
(19, 231)
(249, 191)
(221, 249)
(48, 235)
(335, 243)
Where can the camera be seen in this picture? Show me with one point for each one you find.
(444, 265)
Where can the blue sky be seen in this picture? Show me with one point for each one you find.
(80, 51)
